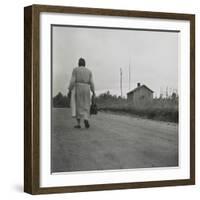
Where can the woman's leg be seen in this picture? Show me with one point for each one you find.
(83, 103)
(86, 118)
(78, 123)
(86, 122)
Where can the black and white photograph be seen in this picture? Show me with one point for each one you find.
(109, 99)
(114, 98)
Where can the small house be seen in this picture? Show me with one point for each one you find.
(140, 96)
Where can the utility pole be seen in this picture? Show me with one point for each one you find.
(121, 81)
(161, 93)
(129, 86)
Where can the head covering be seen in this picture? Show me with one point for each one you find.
(81, 62)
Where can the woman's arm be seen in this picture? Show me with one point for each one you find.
(92, 84)
(72, 81)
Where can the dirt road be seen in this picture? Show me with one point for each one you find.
(112, 142)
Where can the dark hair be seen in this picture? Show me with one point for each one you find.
(81, 62)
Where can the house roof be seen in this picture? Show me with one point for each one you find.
(138, 88)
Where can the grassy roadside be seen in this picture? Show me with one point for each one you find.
(168, 115)
(162, 109)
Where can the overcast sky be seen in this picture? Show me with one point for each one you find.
(151, 55)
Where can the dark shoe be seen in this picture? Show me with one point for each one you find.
(86, 122)
(77, 126)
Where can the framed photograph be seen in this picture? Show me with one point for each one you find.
(109, 99)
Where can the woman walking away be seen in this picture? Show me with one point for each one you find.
(81, 84)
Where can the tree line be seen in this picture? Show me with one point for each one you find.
(60, 101)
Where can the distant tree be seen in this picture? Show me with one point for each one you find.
(174, 95)
(60, 101)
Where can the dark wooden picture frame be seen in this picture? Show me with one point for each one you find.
(32, 91)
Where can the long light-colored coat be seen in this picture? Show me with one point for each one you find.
(80, 85)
